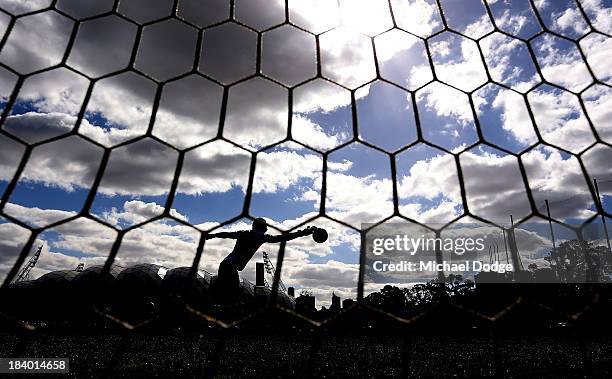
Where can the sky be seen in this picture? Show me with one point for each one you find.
(318, 109)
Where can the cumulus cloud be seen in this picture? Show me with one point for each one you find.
(494, 186)
(559, 179)
(256, 113)
(370, 17)
(561, 63)
(598, 104)
(35, 127)
(10, 156)
(505, 57)
(36, 216)
(402, 59)
(370, 198)
(479, 27)
(37, 41)
(514, 115)
(600, 15)
(12, 240)
(282, 61)
(145, 167)
(102, 46)
(279, 169)
(312, 104)
(119, 108)
(457, 61)
(136, 211)
(347, 57)
(560, 119)
(570, 19)
(213, 168)
(511, 22)
(433, 179)
(69, 163)
(189, 112)
(598, 51)
(446, 102)
(316, 16)
(18, 7)
(420, 17)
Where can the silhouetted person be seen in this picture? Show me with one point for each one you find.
(247, 243)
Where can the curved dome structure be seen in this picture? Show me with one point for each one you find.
(143, 276)
(92, 277)
(179, 280)
(56, 279)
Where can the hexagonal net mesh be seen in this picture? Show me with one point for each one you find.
(133, 129)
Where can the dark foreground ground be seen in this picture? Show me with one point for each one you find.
(252, 354)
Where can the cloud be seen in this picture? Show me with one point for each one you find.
(37, 41)
(36, 127)
(256, 113)
(446, 102)
(420, 17)
(250, 12)
(370, 199)
(145, 167)
(306, 131)
(462, 66)
(599, 14)
(36, 216)
(598, 104)
(402, 59)
(561, 63)
(69, 163)
(479, 27)
(12, 239)
(560, 119)
(10, 156)
(166, 49)
(559, 179)
(189, 112)
(213, 168)
(433, 179)
(136, 211)
(102, 46)
(18, 7)
(278, 170)
(493, 185)
(316, 16)
(282, 61)
(570, 19)
(596, 161)
(513, 23)
(370, 17)
(598, 51)
(505, 57)
(514, 115)
(119, 108)
(347, 57)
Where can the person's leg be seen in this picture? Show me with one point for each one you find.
(227, 282)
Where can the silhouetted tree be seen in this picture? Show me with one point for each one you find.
(577, 261)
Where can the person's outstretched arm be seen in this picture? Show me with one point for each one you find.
(232, 235)
(291, 236)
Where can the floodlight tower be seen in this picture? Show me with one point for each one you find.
(270, 270)
(24, 275)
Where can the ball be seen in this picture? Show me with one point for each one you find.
(319, 235)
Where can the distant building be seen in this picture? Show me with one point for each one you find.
(305, 304)
(347, 303)
(335, 305)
